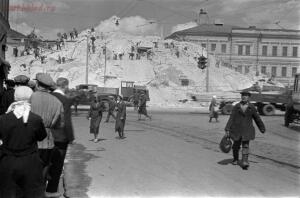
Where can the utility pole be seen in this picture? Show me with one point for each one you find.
(207, 68)
(87, 61)
(105, 58)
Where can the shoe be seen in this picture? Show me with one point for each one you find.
(234, 162)
(53, 194)
(96, 140)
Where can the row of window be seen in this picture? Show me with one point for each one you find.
(274, 71)
(245, 50)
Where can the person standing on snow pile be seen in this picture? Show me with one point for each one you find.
(95, 116)
(75, 32)
(62, 137)
(213, 109)
(241, 130)
(111, 108)
(142, 107)
(121, 117)
(44, 104)
(20, 164)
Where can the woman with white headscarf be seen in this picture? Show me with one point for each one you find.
(20, 165)
(213, 109)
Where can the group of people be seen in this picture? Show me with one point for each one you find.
(35, 132)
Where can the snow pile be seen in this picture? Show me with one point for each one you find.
(162, 72)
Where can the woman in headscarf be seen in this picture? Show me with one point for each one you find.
(95, 117)
(20, 164)
(213, 109)
(121, 117)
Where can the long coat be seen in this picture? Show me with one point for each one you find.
(142, 105)
(240, 124)
(121, 116)
(212, 109)
(95, 113)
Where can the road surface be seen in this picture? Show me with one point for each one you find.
(177, 154)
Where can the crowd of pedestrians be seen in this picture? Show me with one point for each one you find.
(36, 129)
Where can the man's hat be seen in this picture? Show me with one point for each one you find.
(245, 93)
(21, 80)
(45, 80)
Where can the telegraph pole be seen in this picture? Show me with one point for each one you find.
(207, 68)
(104, 75)
(87, 61)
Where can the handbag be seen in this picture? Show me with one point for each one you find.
(225, 144)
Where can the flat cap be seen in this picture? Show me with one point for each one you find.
(21, 80)
(245, 93)
(45, 79)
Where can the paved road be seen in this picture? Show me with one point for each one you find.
(177, 154)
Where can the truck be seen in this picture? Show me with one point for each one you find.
(129, 90)
(292, 113)
(83, 94)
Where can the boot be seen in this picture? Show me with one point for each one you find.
(245, 163)
(235, 157)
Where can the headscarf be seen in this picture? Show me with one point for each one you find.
(21, 106)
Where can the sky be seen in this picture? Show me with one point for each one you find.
(52, 16)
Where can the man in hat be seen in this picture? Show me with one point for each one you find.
(121, 117)
(111, 108)
(240, 128)
(44, 104)
(21, 80)
(62, 136)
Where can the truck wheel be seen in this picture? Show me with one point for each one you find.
(227, 109)
(268, 110)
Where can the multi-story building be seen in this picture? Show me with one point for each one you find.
(4, 28)
(274, 52)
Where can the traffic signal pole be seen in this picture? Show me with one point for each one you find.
(87, 61)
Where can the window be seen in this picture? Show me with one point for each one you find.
(203, 45)
(240, 50)
(264, 50)
(240, 68)
(274, 71)
(247, 49)
(246, 69)
(294, 71)
(213, 47)
(263, 69)
(274, 51)
(284, 51)
(295, 51)
(223, 48)
(283, 71)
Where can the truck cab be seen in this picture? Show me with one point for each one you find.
(129, 90)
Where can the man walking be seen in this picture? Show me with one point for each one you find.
(142, 107)
(111, 109)
(241, 130)
(44, 104)
(62, 137)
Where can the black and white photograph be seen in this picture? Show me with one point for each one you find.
(149, 98)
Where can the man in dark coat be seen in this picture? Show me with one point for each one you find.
(142, 107)
(111, 109)
(240, 128)
(62, 137)
(121, 117)
(8, 95)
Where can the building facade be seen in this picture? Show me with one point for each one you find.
(4, 29)
(274, 52)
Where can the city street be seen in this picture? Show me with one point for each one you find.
(177, 154)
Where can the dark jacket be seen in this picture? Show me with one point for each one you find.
(95, 113)
(240, 124)
(65, 134)
(121, 116)
(7, 98)
(21, 139)
(111, 105)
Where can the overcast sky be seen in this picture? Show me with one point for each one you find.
(52, 16)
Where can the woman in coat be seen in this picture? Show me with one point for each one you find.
(121, 117)
(20, 165)
(95, 116)
(241, 130)
(213, 109)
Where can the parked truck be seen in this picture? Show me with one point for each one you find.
(129, 91)
(292, 113)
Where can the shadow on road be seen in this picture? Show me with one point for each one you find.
(225, 161)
